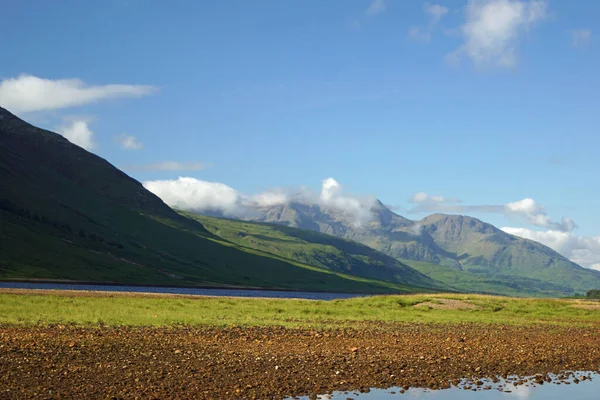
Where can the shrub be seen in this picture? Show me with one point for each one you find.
(593, 294)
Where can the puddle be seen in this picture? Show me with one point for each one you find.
(574, 387)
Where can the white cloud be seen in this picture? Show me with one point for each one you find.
(422, 197)
(128, 142)
(333, 197)
(170, 166)
(79, 133)
(27, 93)
(196, 195)
(435, 13)
(376, 7)
(418, 33)
(536, 215)
(270, 198)
(492, 28)
(581, 37)
(527, 209)
(582, 250)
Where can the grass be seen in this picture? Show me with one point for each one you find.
(160, 310)
(485, 282)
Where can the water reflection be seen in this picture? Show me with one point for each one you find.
(584, 390)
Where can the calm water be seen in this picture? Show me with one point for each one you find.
(585, 390)
(204, 292)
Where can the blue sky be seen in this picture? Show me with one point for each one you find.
(489, 102)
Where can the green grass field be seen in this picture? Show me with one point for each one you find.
(160, 310)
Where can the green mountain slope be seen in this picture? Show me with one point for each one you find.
(316, 249)
(475, 256)
(67, 214)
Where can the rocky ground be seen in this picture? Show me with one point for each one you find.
(266, 362)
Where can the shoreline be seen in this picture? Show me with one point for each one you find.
(224, 287)
(125, 294)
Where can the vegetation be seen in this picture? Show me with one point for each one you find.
(156, 310)
(499, 283)
(593, 294)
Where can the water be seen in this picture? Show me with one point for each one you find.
(276, 294)
(585, 390)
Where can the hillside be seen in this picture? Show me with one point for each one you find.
(316, 249)
(67, 214)
(470, 255)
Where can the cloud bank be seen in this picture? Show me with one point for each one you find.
(202, 196)
(27, 93)
(492, 29)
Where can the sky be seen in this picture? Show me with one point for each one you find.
(488, 108)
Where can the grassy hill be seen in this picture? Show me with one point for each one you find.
(342, 255)
(67, 214)
(316, 249)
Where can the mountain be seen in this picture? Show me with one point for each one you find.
(67, 214)
(461, 251)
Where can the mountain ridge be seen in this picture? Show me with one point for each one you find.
(457, 242)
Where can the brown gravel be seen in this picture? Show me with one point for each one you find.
(266, 362)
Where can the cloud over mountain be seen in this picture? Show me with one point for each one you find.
(196, 195)
(202, 196)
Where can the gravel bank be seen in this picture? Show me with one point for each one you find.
(266, 362)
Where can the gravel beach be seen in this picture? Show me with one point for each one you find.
(62, 361)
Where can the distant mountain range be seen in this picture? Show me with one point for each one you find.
(69, 215)
(460, 251)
